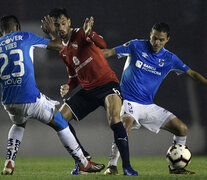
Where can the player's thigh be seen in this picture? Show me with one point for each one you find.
(113, 108)
(131, 111)
(79, 105)
(16, 113)
(155, 117)
(176, 126)
(128, 123)
(66, 112)
(42, 110)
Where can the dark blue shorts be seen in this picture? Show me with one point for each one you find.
(86, 101)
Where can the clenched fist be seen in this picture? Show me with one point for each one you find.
(64, 89)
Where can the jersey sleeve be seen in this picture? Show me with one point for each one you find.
(125, 49)
(92, 38)
(97, 39)
(38, 41)
(178, 66)
(72, 78)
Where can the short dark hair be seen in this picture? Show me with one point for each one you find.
(8, 22)
(162, 27)
(57, 12)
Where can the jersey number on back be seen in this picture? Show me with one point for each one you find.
(18, 62)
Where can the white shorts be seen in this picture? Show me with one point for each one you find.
(41, 110)
(151, 116)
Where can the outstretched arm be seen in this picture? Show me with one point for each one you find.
(49, 28)
(196, 76)
(109, 52)
(97, 39)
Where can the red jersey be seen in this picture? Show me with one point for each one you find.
(85, 62)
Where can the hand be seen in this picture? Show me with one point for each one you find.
(64, 89)
(87, 26)
(48, 26)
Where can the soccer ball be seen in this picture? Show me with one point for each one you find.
(178, 156)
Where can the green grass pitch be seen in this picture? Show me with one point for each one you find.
(59, 169)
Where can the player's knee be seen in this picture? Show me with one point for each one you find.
(113, 120)
(60, 120)
(66, 112)
(127, 122)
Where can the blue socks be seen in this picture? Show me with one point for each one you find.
(60, 120)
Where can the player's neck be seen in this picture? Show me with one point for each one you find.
(67, 39)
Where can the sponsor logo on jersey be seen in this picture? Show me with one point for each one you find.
(13, 81)
(76, 60)
(139, 64)
(83, 64)
(147, 67)
(12, 39)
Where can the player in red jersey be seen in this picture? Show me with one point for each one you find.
(87, 66)
(82, 55)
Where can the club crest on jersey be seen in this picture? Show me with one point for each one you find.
(161, 62)
(75, 45)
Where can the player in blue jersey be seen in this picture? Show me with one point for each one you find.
(22, 99)
(148, 63)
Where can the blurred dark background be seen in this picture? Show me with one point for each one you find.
(119, 21)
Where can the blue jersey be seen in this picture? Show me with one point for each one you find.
(144, 70)
(16, 67)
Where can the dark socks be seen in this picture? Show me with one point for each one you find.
(121, 140)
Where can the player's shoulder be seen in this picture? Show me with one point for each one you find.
(13, 36)
(168, 54)
(23, 35)
(139, 42)
(76, 33)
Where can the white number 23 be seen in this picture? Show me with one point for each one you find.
(18, 62)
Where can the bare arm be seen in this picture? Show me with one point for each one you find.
(55, 45)
(196, 76)
(109, 52)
